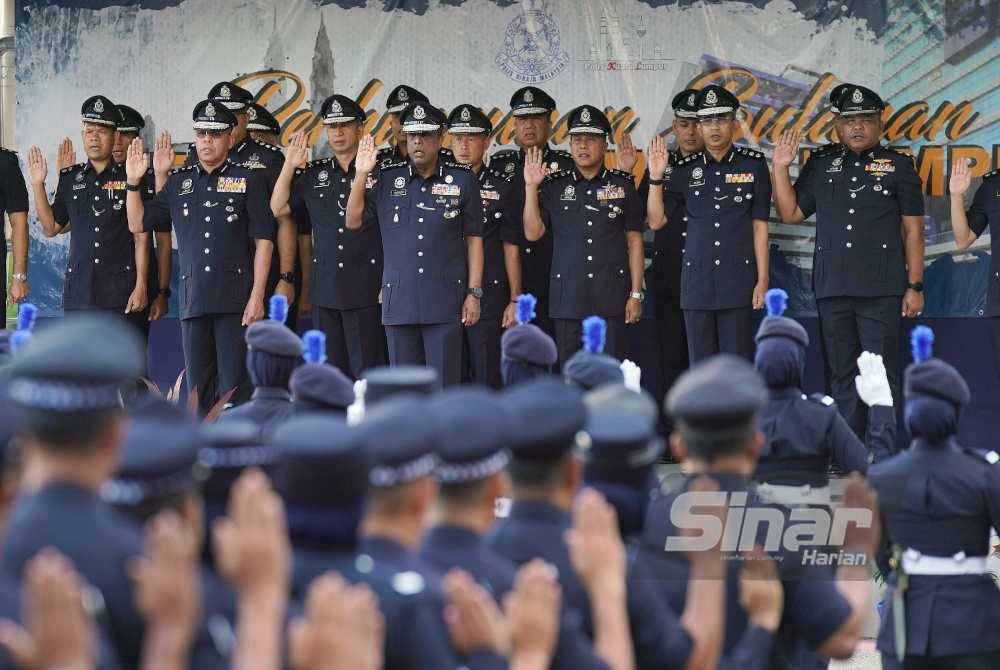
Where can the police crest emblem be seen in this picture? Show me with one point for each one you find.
(532, 51)
(585, 116)
(98, 105)
(857, 97)
(224, 92)
(711, 98)
(419, 113)
(209, 109)
(464, 115)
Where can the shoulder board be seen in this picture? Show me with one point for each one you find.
(458, 166)
(265, 145)
(388, 165)
(175, 170)
(384, 151)
(751, 153)
(552, 176)
(445, 151)
(988, 455)
(821, 399)
(71, 168)
(4, 150)
(318, 161)
(688, 159)
(505, 154)
(826, 149)
(562, 153)
(191, 146)
(622, 174)
(899, 152)
(500, 176)
(991, 174)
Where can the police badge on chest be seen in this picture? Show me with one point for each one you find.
(697, 177)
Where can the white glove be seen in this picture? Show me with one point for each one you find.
(356, 410)
(632, 374)
(872, 383)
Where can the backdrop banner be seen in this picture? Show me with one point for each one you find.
(936, 63)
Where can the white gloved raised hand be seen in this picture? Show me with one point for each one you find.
(632, 374)
(356, 410)
(873, 382)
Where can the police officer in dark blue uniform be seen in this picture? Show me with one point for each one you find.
(346, 270)
(727, 195)
(526, 350)
(262, 126)
(983, 213)
(532, 110)
(715, 407)
(470, 135)
(317, 386)
(322, 476)
(939, 501)
(398, 100)
(590, 367)
(430, 213)
(868, 265)
(108, 265)
(68, 381)
(273, 354)
(805, 434)
(597, 220)
(219, 211)
(14, 201)
(668, 244)
(158, 470)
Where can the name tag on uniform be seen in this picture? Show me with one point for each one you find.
(740, 178)
(77, 187)
(232, 185)
(489, 195)
(611, 193)
(445, 189)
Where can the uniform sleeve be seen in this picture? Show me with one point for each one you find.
(262, 224)
(816, 606)
(544, 204)
(910, 191)
(978, 220)
(156, 213)
(805, 196)
(298, 206)
(993, 494)
(513, 214)
(15, 191)
(848, 453)
(472, 210)
(59, 210)
(751, 652)
(635, 209)
(373, 192)
(147, 186)
(643, 188)
(880, 437)
(761, 208)
(673, 181)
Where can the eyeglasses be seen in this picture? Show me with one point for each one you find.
(715, 121)
(214, 134)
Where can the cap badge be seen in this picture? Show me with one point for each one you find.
(465, 115)
(98, 105)
(403, 95)
(585, 115)
(419, 113)
(224, 92)
(336, 107)
(529, 96)
(857, 97)
(711, 98)
(209, 109)
(252, 114)
(691, 100)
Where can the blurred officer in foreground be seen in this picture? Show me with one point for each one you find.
(939, 501)
(317, 386)
(526, 351)
(869, 265)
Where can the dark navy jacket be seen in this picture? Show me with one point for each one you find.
(985, 213)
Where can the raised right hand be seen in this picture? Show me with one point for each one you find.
(534, 167)
(364, 163)
(657, 157)
(297, 152)
(961, 177)
(38, 167)
(785, 149)
(163, 154)
(65, 156)
(136, 162)
(595, 544)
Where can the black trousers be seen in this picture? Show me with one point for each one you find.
(984, 661)
(438, 345)
(215, 357)
(719, 331)
(355, 339)
(569, 338)
(671, 339)
(850, 325)
(482, 349)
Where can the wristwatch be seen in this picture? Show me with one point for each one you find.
(133, 187)
(475, 292)
(288, 277)
(19, 276)
(637, 295)
(656, 182)
(917, 286)
(165, 292)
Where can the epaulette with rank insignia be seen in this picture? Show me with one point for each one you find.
(505, 154)
(991, 174)
(750, 153)
(71, 168)
(460, 166)
(175, 170)
(621, 173)
(562, 153)
(687, 159)
(388, 165)
(900, 152)
(557, 175)
(311, 164)
(828, 148)
(265, 145)
(821, 399)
